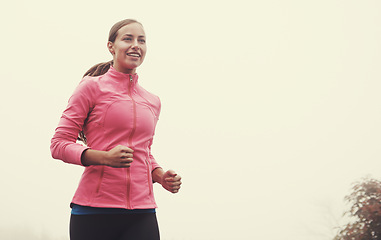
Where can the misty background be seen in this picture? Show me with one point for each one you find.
(270, 110)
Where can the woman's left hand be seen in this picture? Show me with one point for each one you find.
(171, 181)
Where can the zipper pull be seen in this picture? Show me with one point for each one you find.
(131, 78)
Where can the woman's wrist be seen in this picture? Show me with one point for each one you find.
(157, 175)
(93, 157)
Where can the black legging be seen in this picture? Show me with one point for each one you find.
(134, 226)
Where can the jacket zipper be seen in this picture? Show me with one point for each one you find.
(130, 141)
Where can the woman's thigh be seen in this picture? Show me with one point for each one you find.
(93, 227)
(141, 226)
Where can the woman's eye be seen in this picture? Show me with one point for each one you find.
(142, 40)
(127, 39)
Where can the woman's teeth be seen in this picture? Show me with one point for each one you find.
(133, 54)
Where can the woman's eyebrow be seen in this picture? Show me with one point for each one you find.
(130, 35)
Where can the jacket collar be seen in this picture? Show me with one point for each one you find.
(112, 72)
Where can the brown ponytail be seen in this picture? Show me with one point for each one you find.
(98, 69)
(102, 68)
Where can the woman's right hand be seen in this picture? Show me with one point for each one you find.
(119, 157)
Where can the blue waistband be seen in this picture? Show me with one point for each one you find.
(86, 210)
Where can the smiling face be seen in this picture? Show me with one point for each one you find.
(129, 48)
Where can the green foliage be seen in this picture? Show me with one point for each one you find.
(365, 211)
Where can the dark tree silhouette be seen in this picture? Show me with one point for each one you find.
(364, 212)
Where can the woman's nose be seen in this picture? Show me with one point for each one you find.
(135, 45)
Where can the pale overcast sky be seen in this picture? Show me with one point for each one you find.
(270, 110)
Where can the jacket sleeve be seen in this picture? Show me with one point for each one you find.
(64, 144)
(154, 164)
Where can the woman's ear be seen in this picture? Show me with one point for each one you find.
(110, 46)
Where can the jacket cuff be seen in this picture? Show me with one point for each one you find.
(75, 154)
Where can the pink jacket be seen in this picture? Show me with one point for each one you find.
(112, 109)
